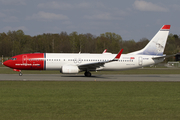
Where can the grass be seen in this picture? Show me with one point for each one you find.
(89, 100)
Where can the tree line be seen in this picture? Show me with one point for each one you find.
(16, 42)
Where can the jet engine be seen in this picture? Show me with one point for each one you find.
(69, 69)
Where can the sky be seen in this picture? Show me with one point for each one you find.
(132, 19)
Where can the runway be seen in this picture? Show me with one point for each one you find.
(80, 77)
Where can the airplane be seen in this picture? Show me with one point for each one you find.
(73, 63)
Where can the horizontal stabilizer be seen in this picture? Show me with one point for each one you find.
(164, 56)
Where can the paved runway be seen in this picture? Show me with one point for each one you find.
(80, 77)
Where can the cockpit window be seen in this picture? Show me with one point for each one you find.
(13, 58)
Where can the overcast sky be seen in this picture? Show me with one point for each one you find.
(132, 19)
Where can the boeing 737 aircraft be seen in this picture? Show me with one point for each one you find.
(69, 63)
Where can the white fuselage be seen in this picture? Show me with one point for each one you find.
(55, 61)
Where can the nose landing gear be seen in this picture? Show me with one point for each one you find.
(20, 74)
(17, 70)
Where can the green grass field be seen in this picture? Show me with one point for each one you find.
(32, 100)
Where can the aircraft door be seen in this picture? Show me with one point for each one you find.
(140, 61)
(77, 60)
(24, 59)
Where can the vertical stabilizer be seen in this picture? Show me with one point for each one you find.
(157, 44)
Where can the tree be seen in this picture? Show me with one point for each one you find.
(128, 46)
(89, 43)
(114, 41)
(142, 43)
(63, 44)
(74, 39)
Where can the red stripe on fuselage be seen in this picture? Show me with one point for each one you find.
(32, 61)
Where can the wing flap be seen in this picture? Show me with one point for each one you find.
(91, 66)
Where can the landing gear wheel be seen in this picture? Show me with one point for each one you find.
(87, 74)
(20, 74)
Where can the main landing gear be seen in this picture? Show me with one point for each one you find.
(87, 74)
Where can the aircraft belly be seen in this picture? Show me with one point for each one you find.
(53, 66)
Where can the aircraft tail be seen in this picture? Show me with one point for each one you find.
(157, 44)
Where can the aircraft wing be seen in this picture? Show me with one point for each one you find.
(93, 66)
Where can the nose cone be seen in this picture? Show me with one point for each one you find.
(7, 63)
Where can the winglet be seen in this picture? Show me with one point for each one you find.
(105, 51)
(118, 55)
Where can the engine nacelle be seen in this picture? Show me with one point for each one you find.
(69, 69)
